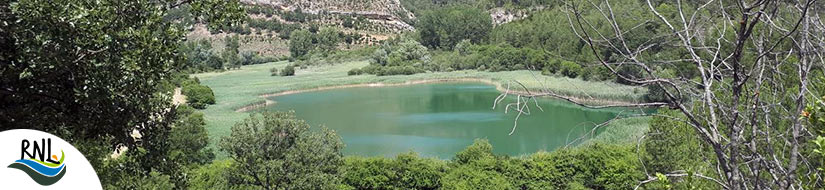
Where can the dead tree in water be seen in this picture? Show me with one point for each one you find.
(754, 59)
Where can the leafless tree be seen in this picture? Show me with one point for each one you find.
(754, 58)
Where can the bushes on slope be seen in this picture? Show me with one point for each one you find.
(443, 28)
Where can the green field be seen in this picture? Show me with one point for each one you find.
(238, 88)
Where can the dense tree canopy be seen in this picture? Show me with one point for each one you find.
(328, 39)
(443, 28)
(277, 151)
(94, 72)
(72, 66)
(300, 43)
(594, 166)
(200, 57)
(397, 56)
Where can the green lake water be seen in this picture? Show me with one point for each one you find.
(437, 120)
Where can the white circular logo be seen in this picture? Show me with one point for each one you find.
(35, 159)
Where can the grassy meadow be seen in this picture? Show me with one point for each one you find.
(238, 88)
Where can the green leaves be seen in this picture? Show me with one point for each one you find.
(480, 150)
(405, 171)
(399, 56)
(231, 55)
(815, 112)
(444, 27)
(198, 96)
(272, 150)
(94, 71)
(219, 13)
(300, 43)
(468, 177)
(289, 70)
(328, 39)
(820, 145)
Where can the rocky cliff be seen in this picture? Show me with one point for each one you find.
(384, 12)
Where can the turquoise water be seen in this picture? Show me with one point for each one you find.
(437, 120)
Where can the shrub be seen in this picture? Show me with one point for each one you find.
(369, 173)
(419, 173)
(399, 56)
(213, 176)
(288, 71)
(467, 177)
(550, 170)
(275, 149)
(594, 166)
(296, 16)
(371, 69)
(547, 72)
(570, 69)
(405, 171)
(394, 70)
(348, 22)
(379, 57)
(250, 58)
(481, 149)
(198, 96)
(273, 71)
(354, 71)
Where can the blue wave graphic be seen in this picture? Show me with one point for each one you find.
(42, 169)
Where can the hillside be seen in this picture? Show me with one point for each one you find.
(362, 22)
(266, 32)
(379, 7)
(386, 13)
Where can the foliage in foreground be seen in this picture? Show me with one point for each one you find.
(167, 162)
(275, 150)
(672, 147)
(596, 166)
(815, 113)
(85, 71)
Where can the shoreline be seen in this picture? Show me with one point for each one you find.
(266, 102)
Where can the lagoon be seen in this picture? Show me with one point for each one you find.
(438, 119)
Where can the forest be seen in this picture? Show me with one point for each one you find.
(710, 94)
